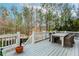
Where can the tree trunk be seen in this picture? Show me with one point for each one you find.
(46, 25)
(40, 27)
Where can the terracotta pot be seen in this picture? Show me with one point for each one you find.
(19, 49)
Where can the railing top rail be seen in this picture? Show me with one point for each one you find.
(39, 32)
(8, 35)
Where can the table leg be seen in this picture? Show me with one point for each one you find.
(51, 38)
(62, 39)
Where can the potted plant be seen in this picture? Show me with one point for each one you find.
(1, 54)
(19, 49)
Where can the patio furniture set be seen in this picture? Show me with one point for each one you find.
(65, 39)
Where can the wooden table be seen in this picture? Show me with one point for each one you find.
(61, 35)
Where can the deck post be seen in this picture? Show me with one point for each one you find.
(33, 37)
(18, 38)
(44, 33)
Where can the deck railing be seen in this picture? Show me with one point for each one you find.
(9, 42)
(38, 36)
(29, 41)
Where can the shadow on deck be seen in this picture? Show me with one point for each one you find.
(46, 48)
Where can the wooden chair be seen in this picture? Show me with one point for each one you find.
(69, 40)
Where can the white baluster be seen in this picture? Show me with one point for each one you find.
(33, 37)
(18, 38)
(2, 42)
(5, 41)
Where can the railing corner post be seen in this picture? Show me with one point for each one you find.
(18, 38)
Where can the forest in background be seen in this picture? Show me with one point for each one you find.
(50, 16)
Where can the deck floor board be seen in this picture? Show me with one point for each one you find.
(46, 48)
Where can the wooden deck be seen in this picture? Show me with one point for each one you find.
(46, 48)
